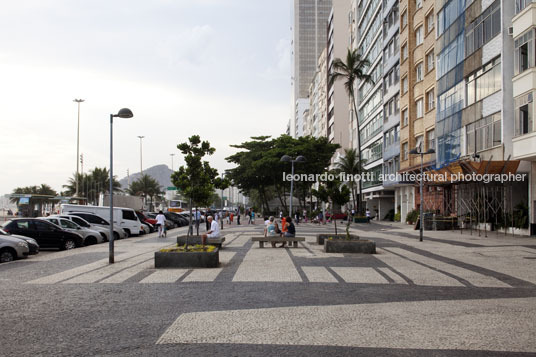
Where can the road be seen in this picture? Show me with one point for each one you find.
(451, 295)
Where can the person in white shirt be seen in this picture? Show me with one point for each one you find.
(214, 231)
(161, 223)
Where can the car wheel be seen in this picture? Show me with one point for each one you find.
(7, 255)
(104, 237)
(69, 244)
(116, 236)
(90, 240)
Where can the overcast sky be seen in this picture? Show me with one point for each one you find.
(217, 68)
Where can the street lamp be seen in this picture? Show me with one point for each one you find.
(286, 158)
(77, 142)
(124, 113)
(420, 152)
(141, 162)
(172, 161)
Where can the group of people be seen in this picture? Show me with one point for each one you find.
(271, 229)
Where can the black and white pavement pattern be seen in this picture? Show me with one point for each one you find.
(451, 295)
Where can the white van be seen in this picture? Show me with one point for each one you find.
(125, 218)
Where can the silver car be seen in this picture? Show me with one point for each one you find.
(90, 236)
(93, 219)
(84, 223)
(12, 248)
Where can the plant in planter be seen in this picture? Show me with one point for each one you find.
(182, 256)
(412, 216)
(195, 180)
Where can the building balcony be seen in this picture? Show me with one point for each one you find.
(524, 20)
(524, 82)
(525, 147)
(391, 151)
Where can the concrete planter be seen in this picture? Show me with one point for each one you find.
(349, 246)
(320, 238)
(187, 259)
(181, 240)
(361, 220)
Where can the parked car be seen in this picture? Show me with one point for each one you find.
(119, 233)
(12, 248)
(90, 236)
(46, 234)
(32, 243)
(123, 217)
(169, 224)
(145, 221)
(104, 232)
(176, 219)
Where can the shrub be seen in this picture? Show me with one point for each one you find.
(412, 216)
(390, 215)
(397, 217)
(191, 248)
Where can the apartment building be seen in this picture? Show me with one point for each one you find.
(309, 39)
(417, 92)
(524, 87)
(317, 116)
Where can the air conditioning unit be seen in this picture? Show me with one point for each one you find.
(511, 30)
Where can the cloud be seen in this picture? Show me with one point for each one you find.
(190, 46)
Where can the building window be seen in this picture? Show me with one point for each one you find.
(522, 4)
(418, 36)
(483, 28)
(523, 122)
(484, 133)
(484, 82)
(429, 22)
(448, 14)
(405, 117)
(430, 100)
(405, 151)
(404, 19)
(524, 52)
(419, 72)
(418, 4)
(430, 139)
(418, 108)
(404, 52)
(430, 61)
(419, 142)
(404, 85)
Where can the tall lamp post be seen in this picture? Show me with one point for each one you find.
(418, 151)
(172, 161)
(286, 158)
(124, 113)
(78, 101)
(141, 157)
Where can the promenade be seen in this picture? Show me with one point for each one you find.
(450, 295)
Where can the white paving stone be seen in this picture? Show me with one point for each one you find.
(360, 275)
(267, 264)
(420, 275)
(319, 275)
(396, 278)
(238, 242)
(164, 276)
(485, 324)
(472, 277)
(129, 272)
(203, 275)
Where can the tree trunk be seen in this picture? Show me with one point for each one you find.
(359, 208)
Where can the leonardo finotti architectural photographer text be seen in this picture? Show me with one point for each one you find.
(407, 177)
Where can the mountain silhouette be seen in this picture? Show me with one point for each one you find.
(161, 173)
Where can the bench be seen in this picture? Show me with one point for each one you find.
(293, 240)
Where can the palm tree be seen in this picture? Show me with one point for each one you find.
(145, 186)
(352, 71)
(92, 184)
(43, 189)
(350, 165)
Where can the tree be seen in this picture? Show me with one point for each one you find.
(43, 189)
(352, 71)
(350, 165)
(145, 186)
(92, 184)
(337, 193)
(196, 179)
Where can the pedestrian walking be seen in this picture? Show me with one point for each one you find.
(161, 224)
(252, 217)
(238, 216)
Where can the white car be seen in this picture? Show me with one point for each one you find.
(94, 220)
(90, 236)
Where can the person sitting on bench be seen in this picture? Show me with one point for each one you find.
(272, 229)
(214, 231)
(290, 231)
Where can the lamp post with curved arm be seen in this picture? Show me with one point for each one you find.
(286, 158)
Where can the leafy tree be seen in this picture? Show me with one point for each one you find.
(145, 186)
(351, 71)
(196, 179)
(92, 184)
(350, 165)
(337, 193)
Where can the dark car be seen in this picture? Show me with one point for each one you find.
(46, 234)
(176, 219)
(32, 243)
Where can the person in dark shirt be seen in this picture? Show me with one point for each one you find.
(290, 231)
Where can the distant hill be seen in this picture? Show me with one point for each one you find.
(160, 173)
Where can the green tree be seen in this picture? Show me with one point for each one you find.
(196, 179)
(337, 193)
(352, 71)
(145, 186)
(350, 165)
(42, 189)
(92, 184)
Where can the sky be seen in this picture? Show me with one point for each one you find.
(216, 68)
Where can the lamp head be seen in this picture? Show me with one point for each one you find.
(300, 159)
(124, 113)
(414, 152)
(430, 151)
(286, 158)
